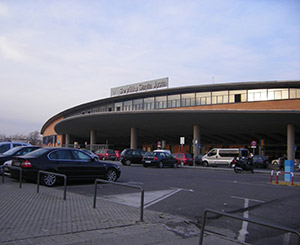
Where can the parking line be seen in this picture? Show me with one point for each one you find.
(244, 231)
(243, 198)
(161, 198)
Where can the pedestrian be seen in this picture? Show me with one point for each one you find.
(281, 162)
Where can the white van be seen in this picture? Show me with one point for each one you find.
(223, 156)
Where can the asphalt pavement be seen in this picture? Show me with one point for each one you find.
(28, 217)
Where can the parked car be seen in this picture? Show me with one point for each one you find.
(118, 154)
(106, 154)
(159, 159)
(129, 156)
(198, 159)
(223, 156)
(260, 161)
(7, 145)
(185, 158)
(93, 155)
(74, 163)
(160, 150)
(6, 157)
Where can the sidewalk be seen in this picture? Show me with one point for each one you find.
(28, 217)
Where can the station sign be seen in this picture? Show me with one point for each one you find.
(253, 144)
(182, 139)
(140, 87)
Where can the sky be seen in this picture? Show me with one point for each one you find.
(56, 54)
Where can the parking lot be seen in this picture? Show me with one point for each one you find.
(188, 191)
(185, 192)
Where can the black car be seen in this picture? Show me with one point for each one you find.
(16, 151)
(129, 156)
(159, 159)
(74, 163)
(198, 159)
(260, 161)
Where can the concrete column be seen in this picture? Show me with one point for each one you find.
(196, 138)
(290, 142)
(133, 138)
(92, 139)
(67, 139)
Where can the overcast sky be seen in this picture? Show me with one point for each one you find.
(58, 54)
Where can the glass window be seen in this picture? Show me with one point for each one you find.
(138, 105)
(110, 107)
(203, 98)
(118, 106)
(136, 153)
(61, 155)
(212, 153)
(4, 147)
(294, 93)
(79, 155)
(127, 105)
(219, 97)
(188, 99)
(236, 96)
(174, 101)
(96, 109)
(102, 108)
(257, 94)
(278, 94)
(149, 103)
(161, 102)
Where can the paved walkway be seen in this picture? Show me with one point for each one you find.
(28, 217)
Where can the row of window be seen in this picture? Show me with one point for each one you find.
(51, 139)
(198, 99)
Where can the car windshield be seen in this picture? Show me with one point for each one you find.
(149, 154)
(38, 152)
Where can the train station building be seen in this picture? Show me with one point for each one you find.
(262, 116)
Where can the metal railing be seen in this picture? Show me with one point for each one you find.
(56, 174)
(2, 167)
(125, 185)
(283, 228)
(20, 175)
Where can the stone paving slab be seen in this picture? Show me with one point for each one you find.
(28, 217)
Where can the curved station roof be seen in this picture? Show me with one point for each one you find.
(220, 123)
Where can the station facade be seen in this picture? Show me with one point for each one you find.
(150, 115)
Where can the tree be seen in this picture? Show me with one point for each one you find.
(34, 138)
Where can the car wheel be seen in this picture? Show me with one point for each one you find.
(49, 180)
(160, 165)
(205, 164)
(128, 162)
(111, 175)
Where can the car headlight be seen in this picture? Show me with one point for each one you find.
(7, 163)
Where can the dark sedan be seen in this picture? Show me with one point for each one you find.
(260, 161)
(74, 163)
(6, 157)
(159, 159)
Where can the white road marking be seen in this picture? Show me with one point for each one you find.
(134, 199)
(161, 198)
(243, 198)
(244, 231)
